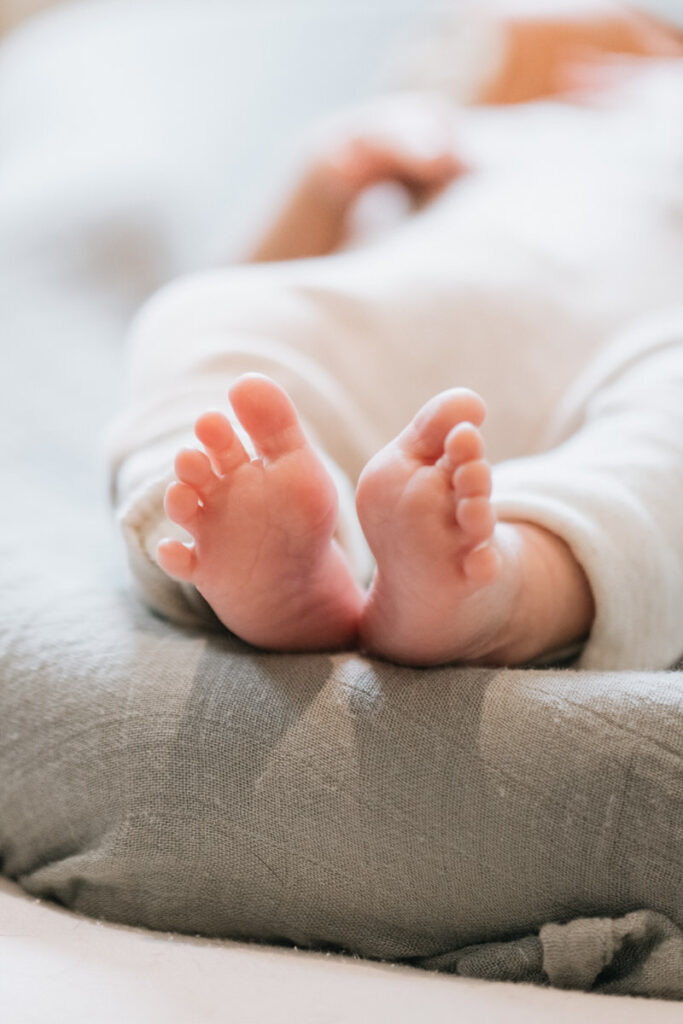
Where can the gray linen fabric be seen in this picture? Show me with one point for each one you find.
(501, 824)
(456, 819)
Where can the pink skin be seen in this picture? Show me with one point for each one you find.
(451, 583)
(263, 554)
(424, 503)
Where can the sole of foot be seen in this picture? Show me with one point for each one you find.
(445, 580)
(263, 552)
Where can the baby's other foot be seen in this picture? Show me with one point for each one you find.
(263, 554)
(451, 583)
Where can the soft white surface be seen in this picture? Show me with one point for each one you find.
(58, 967)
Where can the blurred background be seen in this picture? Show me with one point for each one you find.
(176, 118)
(142, 139)
(163, 129)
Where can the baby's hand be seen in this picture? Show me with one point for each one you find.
(407, 138)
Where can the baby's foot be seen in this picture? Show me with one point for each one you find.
(263, 555)
(451, 584)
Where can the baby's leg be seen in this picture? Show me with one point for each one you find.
(614, 492)
(589, 536)
(188, 348)
(451, 583)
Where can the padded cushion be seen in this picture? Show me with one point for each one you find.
(185, 781)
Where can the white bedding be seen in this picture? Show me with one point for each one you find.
(61, 968)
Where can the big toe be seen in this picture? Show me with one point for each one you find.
(424, 437)
(268, 415)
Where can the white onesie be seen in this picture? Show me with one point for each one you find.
(549, 280)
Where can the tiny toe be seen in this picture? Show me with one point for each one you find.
(464, 444)
(425, 435)
(177, 559)
(482, 565)
(225, 449)
(473, 479)
(181, 503)
(475, 516)
(192, 467)
(268, 415)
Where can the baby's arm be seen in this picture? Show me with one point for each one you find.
(406, 138)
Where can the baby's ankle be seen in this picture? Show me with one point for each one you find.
(553, 607)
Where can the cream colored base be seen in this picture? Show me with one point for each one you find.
(59, 967)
